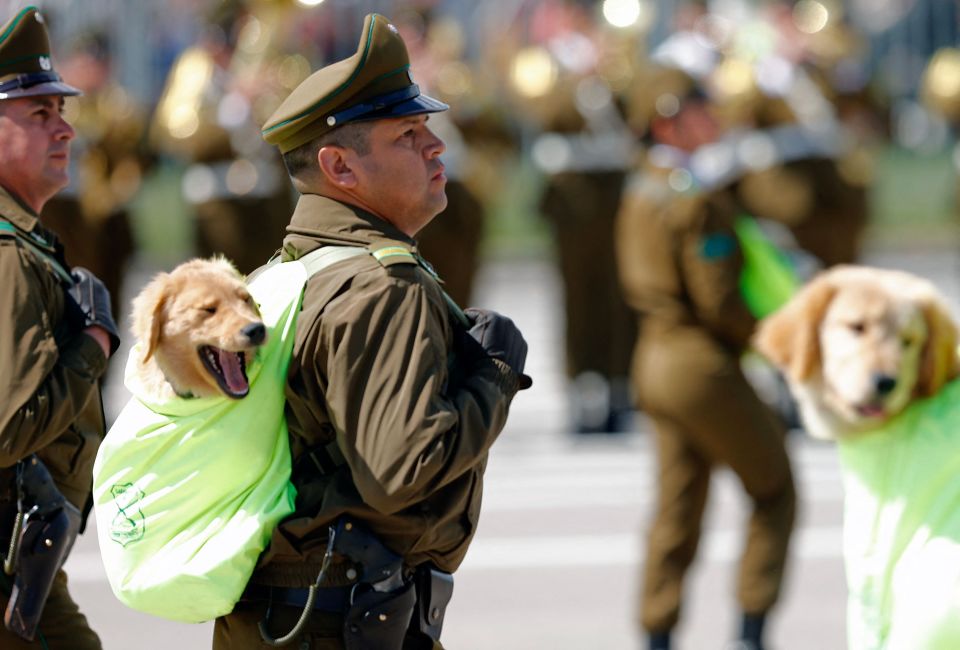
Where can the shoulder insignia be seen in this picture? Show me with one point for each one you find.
(390, 255)
(717, 246)
(7, 229)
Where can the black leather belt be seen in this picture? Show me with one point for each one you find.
(328, 599)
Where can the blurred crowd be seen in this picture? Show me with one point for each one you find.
(584, 100)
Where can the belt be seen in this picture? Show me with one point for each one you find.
(327, 599)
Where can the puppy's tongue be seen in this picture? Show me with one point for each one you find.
(232, 368)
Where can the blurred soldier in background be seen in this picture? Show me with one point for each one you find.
(584, 151)
(218, 93)
(680, 263)
(808, 172)
(940, 93)
(107, 165)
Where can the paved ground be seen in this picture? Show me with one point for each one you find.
(555, 559)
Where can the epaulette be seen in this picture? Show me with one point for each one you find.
(392, 254)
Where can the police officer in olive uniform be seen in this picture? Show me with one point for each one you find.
(394, 395)
(207, 117)
(53, 350)
(91, 216)
(680, 264)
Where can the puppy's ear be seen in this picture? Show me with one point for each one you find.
(939, 363)
(147, 317)
(789, 337)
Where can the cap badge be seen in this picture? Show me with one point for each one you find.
(45, 63)
(392, 28)
(38, 16)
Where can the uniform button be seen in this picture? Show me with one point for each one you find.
(351, 574)
(435, 613)
(354, 629)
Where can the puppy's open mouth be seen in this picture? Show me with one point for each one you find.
(874, 411)
(228, 368)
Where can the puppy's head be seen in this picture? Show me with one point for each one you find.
(857, 344)
(200, 326)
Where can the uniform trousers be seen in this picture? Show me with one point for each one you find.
(705, 413)
(62, 626)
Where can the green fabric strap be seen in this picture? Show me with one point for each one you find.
(768, 279)
(319, 259)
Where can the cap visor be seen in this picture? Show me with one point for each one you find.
(46, 88)
(413, 106)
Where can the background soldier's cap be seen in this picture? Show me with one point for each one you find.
(25, 66)
(372, 84)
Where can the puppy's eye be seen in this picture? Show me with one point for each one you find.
(907, 341)
(212, 309)
(857, 327)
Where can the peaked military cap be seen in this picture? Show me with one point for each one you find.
(25, 66)
(374, 83)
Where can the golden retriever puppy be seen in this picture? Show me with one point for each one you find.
(858, 344)
(870, 355)
(197, 329)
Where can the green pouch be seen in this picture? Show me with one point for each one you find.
(902, 529)
(188, 492)
(768, 279)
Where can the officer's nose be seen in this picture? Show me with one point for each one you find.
(435, 147)
(64, 130)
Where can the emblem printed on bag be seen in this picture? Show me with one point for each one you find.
(129, 525)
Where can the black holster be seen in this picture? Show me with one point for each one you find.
(382, 602)
(41, 544)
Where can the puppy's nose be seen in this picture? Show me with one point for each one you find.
(255, 332)
(884, 383)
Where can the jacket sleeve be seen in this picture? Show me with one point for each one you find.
(711, 262)
(45, 388)
(402, 435)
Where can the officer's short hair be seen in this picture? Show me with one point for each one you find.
(353, 135)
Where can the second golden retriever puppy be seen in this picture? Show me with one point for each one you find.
(197, 327)
(858, 344)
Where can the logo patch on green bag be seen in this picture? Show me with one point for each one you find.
(129, 525)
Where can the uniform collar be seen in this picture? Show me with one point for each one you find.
(328, 221)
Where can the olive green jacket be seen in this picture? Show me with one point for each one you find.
(48, 375)
(680, 262)
(373, 369)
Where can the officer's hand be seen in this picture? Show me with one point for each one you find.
(500, 338)
(94, 301)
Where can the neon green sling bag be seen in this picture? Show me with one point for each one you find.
(767, 280)
(187, 493)
(902, 529)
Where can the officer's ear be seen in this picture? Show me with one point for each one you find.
(147, 315)
(336, 166)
